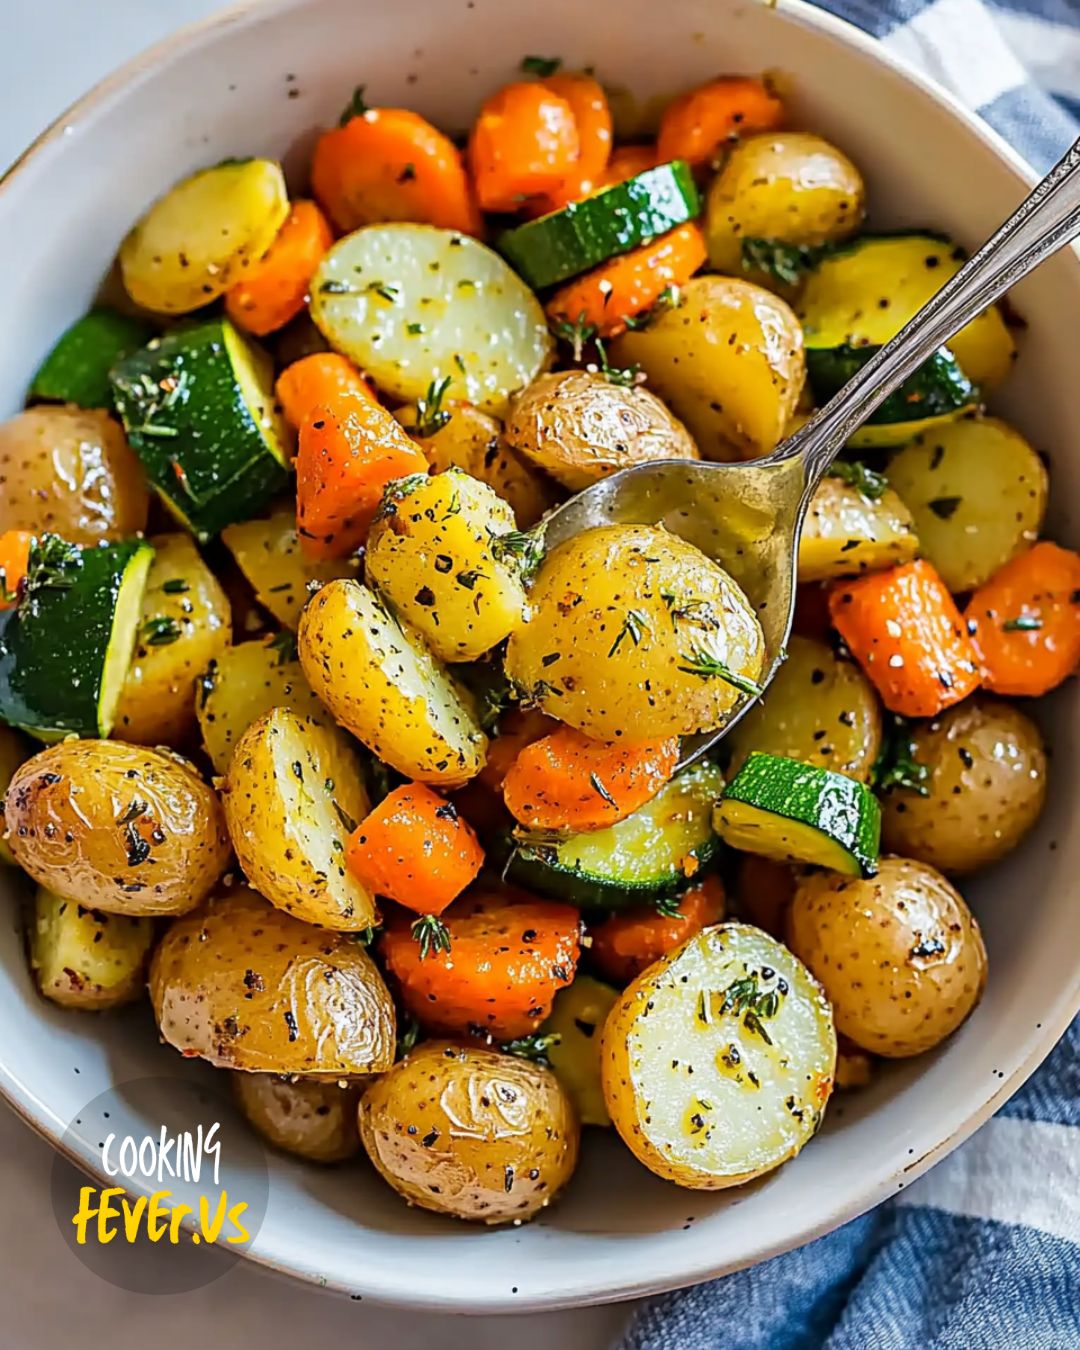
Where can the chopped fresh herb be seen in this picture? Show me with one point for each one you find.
(431, 416)
(51, 565)
(356, 107)
(540, 65)
(385, 290)
(622, 375)
(866, 482)
(534, 1047)
(407, 174)
(366, 936)
(744, 999)
(524, 549)
(634, 627)
(699, 662)
(333, 287)
(175, 586)
(786, 262)
(1023, 623)
(414, 329)
(944, 507)
(136, 847)
(699, 612)
(431, 935)
(159, 396)
(284, 643)
(598, 787)
(577, 335)
(896, 765)
(671, 297)
(347, 822)
(668, 906)
(408, 1037)
(160, 631)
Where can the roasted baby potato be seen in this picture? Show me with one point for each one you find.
(819, 709)
(631, 633)
(718, 1060)
(267, 551)
(473, 442)
(84, 959)
(784, 187)
(315, 1120)
(985, 787)
(204, 235)
(579, 427)
(470, 1132)
(13, 751)
(70, 471)
(246, 681)
(847, 532)
(445, 552)
(245, 986)
(728, 361)
(186, 622)
(576, 1021)
(292, 797)
(977, 492)
(900, 956)
(117, 827)
(381, 683)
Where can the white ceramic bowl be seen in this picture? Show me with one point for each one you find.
(259, 81)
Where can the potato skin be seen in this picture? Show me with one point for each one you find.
(844, 534)
(728, 361)
(986, 788)
(470, 1132)
(900, 956)
(157, 704)
(117, 827)
(86, 960)
(70, 471)
(579, 427)
(601, 681)
(311, 1119)
(245, 986)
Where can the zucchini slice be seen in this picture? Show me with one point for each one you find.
(198, 409)
(66, 646)
(651, 854)
(795, 812)
(585, 234)
(77, 368)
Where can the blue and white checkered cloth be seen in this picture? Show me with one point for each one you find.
(983, 1253)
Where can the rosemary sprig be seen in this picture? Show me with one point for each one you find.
(634, 627)
(431, 416)
(896, 765)
(703, 663)
(534, 1047)
(431, 935)
(866, 482)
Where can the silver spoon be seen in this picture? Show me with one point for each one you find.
(748, 516)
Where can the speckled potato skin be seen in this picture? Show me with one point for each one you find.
(70, 471)
(74, 823)
(86, 960)
(579, 427)
(433, 553)
(470, 1132)
(382, 684)
(986, 787)
(900, 956)
(293, 792)
(312, 1119)
(576, 659)
(845, 534)
(245, 986)
(157, 703)
(728, 361)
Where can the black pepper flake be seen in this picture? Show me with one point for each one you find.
(448, 811)
(508, 1178)
(430, 1138)
(425, 596)
(290, 1022)
(443, 563)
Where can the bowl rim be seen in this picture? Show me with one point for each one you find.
(43, 1121)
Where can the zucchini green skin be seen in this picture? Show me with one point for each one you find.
(585, 234)
(209, 438)
(937, 388)
(65, 650)
(636, 861)
(77, 368)
(786, 809)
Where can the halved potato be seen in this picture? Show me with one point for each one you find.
(379, 680)
(846, 532)
(203, 235)
(577, 1019)
(85, 959)
(245, 986)
(293, 795)
(312, 1119)
(718, 1061)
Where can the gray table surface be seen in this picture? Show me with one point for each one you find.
(53, 51)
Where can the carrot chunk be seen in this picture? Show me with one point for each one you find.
(14, 560)
(416, 849)
(1025, 622)
(627, 161)
(319, 379)
(525, 142)
(347, 455)
(391, 164)
(628, 285)
(904, 629)
(592, 117)
(626, 944)
(498, 970)
(696, 124)
(517, 728)
(276, 289)
(567, 781)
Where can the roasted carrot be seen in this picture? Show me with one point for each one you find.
(525, 142)
(626, 944)
(763, 890)
(494, 965)
(628, 285)
(517, 728)
(904, 629)
(696, 125)
(347, 455)
(1025, 622)
(14, 560)
(627, 161)
(416, 849)
(391, 164)
(566, 781)
(318, 380)
(276, 289)
(592, 117)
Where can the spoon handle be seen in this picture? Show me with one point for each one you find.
(1043, 223)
